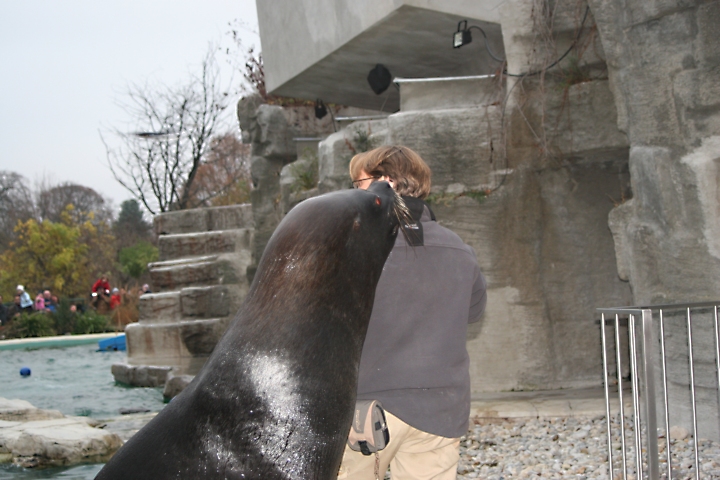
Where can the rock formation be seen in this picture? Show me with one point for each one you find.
(31, 437)
(198, 286)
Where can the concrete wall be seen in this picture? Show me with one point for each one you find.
(541, 235)
(663, 60)
(296, 34)
(603, 170)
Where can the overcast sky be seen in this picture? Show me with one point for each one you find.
(64, 65)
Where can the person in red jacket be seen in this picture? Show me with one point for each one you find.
(101, 285)
(100, 297)
(115, 299)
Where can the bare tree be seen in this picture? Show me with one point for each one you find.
(173, 127)
(224, 177)
(52, 201)
(16, 204)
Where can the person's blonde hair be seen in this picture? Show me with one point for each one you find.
(402, 165)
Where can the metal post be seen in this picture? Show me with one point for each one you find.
(648, 372)
(665, 395)
(607, 397)
(692, 395)
(636, 398)
(717, 350)
(620, 395)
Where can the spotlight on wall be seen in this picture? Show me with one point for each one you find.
(379, 78)
(462, 36)
(320, 109)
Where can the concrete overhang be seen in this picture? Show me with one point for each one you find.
(325, 48)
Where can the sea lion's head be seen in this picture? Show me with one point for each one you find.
(340, 239)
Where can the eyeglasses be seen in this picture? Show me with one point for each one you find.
(356, 183)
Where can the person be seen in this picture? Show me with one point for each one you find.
(115, 298)
(414, 358)
(145, 289)
(100, 297)
(15, 309)
(3, 312)
(101, 285)
(26, 302)
(50, 301)
(39, 302)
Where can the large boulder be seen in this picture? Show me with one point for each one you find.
(41, 438)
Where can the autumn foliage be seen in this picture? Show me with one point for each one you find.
(65, 256)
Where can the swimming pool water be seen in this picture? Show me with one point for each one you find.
(76, 381)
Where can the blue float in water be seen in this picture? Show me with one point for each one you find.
(113, 344)
(25, 372)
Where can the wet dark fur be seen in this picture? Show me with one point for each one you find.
(275, 399)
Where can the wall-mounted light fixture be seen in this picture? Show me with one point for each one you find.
(463, 37)
(379, 78)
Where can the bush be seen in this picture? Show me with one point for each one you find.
(135, 259)
(64, 318)
(27, 325)
(90, 322)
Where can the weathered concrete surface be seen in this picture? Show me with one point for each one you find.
(39, 438)
(457, 144)
(198, 244)
(336, 151)
(664, 70)
(199, 285)
(467, 92)
(541, 235)
(204, 220)
(531, 239)
(16, 410)
(140, 375)
(176, 384)
(663, 62)
(273, 131)
(325, 49)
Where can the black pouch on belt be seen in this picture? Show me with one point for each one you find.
(369, 433)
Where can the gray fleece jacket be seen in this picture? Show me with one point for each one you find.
(414, 359)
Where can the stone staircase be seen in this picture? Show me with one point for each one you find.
(198, 284)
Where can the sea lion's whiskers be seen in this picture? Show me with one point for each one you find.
(402, 213)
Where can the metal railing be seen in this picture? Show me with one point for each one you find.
(642, 341)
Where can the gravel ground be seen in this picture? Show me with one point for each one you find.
(567, 447)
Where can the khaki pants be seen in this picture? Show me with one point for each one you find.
(411, 454)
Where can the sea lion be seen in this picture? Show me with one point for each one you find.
(276, 397)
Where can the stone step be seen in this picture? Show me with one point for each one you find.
(199, 271)
(211, 301)
(183, 345)
(204, 219)
(190, 303)
(179, 245)
(159, 307)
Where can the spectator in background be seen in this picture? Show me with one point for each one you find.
(3, 312)
(15, 309)
(56, 302)
(50, 301)
(39, 302)
(145, 289)
(102, 285)
(26, 302)
(115, 299)
(100, 293)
